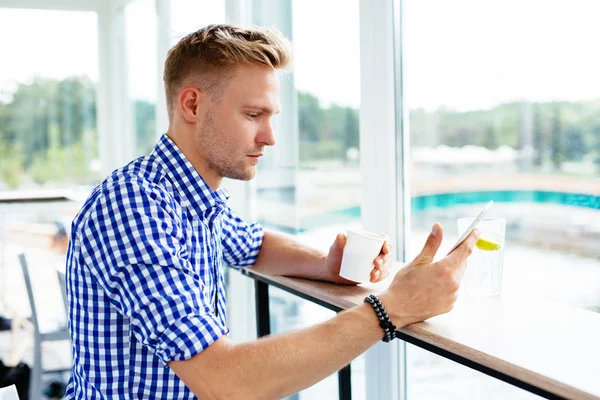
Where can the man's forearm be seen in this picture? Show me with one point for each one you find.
(281, 254)
(279, 365)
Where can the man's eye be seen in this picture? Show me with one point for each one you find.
(252, 115)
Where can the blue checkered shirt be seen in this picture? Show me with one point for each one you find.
(145, 276)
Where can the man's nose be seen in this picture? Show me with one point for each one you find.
(266, 136)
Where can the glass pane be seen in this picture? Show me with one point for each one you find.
(48, 143)
(504, 106)
(432, 377)
(142, 75)
(48, 99)
(309, 183)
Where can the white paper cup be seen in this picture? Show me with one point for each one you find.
(360, 251)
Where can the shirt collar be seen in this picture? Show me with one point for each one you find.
(195, 193)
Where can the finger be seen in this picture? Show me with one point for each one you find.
(431, 245)
(380, 276)
(382, 264)
(375, 275)
(378, 262)
(386, 261)
(340, 241)
(459, 256)
(386, 249)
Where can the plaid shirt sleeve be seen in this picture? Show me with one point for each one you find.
(241, 241)
(134, 246)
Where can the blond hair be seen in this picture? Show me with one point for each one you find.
(209, 56)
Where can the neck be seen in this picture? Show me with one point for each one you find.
(183, 137)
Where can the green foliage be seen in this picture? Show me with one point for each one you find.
(325, 133)
(577, 146)
(538, 139)
(310, 117)
(145, 122)
(596, 137)
(48, 132)
(49, 113)
(560, 130)
(11, 165)
(66, 164)
(556, 140)
(322, 150)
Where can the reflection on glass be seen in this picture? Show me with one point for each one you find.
(505, 106)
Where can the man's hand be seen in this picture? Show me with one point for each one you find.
(333, 262)
(424, 288)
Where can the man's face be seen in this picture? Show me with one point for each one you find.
(234, 130)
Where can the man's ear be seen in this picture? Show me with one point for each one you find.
(189, 100)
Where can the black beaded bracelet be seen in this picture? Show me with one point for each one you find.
(384, 320)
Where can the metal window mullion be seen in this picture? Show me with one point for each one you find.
(116, 136)
(163, 44)
(402, 170)
(381, 172)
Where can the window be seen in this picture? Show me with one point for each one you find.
(142, 72)
(48, 140)
(504, 103)
(48, 99)
(309, 183)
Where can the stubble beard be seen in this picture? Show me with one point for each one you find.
(217, 152)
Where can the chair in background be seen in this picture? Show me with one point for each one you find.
(63, 290)
(40, 336)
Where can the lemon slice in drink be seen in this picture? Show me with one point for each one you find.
(487, 245)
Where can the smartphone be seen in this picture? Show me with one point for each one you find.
(473, 225)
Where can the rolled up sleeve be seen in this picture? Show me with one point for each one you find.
(241, 241)
(135, 247)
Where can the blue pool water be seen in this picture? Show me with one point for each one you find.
(444, 200)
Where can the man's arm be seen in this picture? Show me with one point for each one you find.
(280, 365)
(281, 254)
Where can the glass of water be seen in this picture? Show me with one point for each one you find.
(483, 276)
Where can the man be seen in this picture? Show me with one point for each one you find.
(144, 266)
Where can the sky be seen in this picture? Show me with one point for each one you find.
(462, 54)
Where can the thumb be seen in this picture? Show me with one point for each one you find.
(431, 245)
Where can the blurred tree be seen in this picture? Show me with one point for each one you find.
(326, 133)
(11, 166)
(575, 146)
(41, 124)
(555, 143)
(310, 117)
(596, 140)
(49, 109)
(145, 122)
(490, 140)
(352, 128)
(538, 140)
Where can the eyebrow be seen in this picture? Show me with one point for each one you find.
(266, 110)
